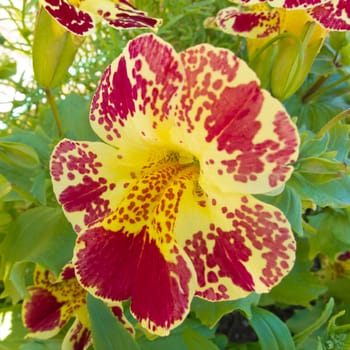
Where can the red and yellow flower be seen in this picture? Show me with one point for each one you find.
(80, 16)
(163, 208)
(53, 302)
(331, 14)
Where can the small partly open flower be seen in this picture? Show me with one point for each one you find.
(53, 302)
(282, 44)
(163, 209)
(80, 16)
(331, 14)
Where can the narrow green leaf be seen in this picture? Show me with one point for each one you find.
(195, 340)
(18, 154)
(272, 332)
(107, 332)
(303, 335)
(5, 186)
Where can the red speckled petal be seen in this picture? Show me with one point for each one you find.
(89, 179)
(137, 94)
(290, 4)
(117, 266)
(248, 24)
(242, 136)
(120, 14)
(51, 304)
(74, 19)
(42, 313)
(333, 15)
(78, 337)
(80, 18)
(236, 243)
(133, 254)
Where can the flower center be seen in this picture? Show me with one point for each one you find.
(152, 201)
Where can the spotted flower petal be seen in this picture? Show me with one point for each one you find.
(241, 135)
(97, 176)
(179, 139)
(136, 111)
(80, 16)
(77, 337)
(332, 14)
(52, 304)
(54, 301)
(250, 24)
(238, 244)
(143, 247)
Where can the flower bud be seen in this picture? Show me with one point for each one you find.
(54, 49)
(295, 49)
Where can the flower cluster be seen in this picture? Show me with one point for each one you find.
(163, 208)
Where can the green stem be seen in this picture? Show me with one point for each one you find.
(314, 87)
(332, 122)
(53, 105)
(321, 92)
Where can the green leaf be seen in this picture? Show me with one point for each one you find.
(332, 193)
(338, 336)
(41, 235)
(18, 154)
(313, 116)
(40, 183)
(290, 204)
(175, 340)
(332, 232)
(300, 286)
(209, 313)
(323, 65)
(195, 340)
(312, 146)
(15, 281)
(340, 290)
(54, 49)
(339, 141)
(273, 334)
(37, 138)
(107, 332)
(300, 337)
(321, 170)
(5, 186)
(345, 55)
(338, 40)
